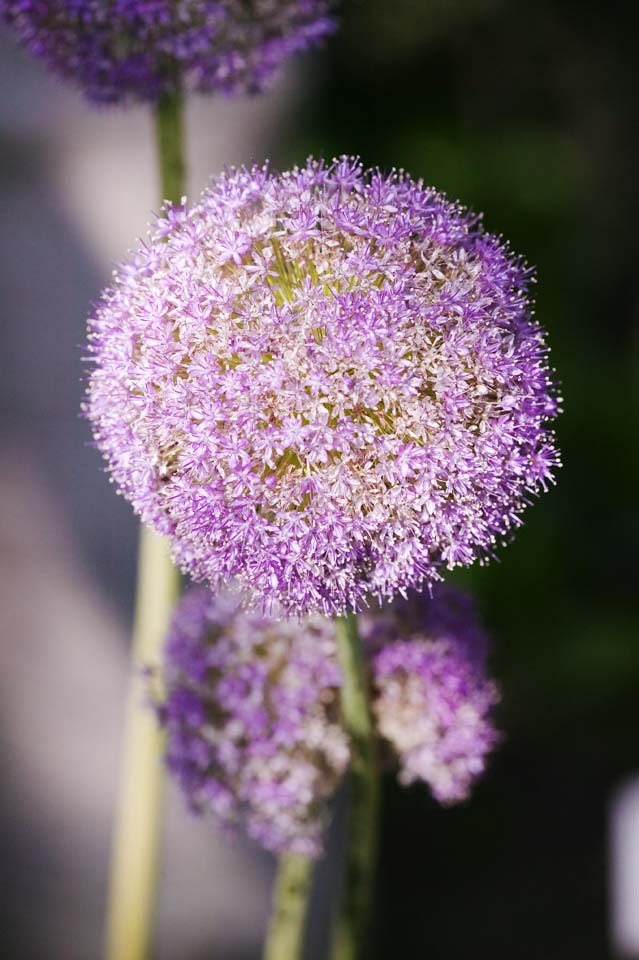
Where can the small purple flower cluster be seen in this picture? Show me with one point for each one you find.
(251, 709)
(433, 701)
(117, 50)
(325, 384)
(251, 714)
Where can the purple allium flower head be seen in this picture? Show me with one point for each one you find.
(251, 714)
(121, 49)
(325, 384)
(432, 700)
(250, 706)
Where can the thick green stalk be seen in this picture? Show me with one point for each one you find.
(135, 841)
(169, 127)
(137, 826)
(352, 926)
(291, 894)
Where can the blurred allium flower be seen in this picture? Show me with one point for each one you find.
(251, 714)
(325, 384)
(120, 49)
(432, 700)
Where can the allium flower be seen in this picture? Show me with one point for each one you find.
(120, 49)
(432, 700)
(325, 384)
(251, 714)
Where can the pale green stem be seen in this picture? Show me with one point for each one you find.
(351, 932)
(135, 841)
(137, 826)
(291, 894)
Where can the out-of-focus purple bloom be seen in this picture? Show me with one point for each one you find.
(324, 384)
(432, 700)
(116, 50)
(251, 716)
(251, 711)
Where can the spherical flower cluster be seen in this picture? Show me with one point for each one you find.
(141, 49)
(251, 714)
(325, 384)
(433, 701)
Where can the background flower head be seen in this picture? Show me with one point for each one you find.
(251, 708)
(433, 701)
(251, 715)
(324, 384)
(141, 49)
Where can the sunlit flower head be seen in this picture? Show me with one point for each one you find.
(325, 384)
(116, 50)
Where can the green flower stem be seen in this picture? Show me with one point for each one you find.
(137, 826)
(352, 924)
(169, 131)
(135, 842)
(291, 895)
